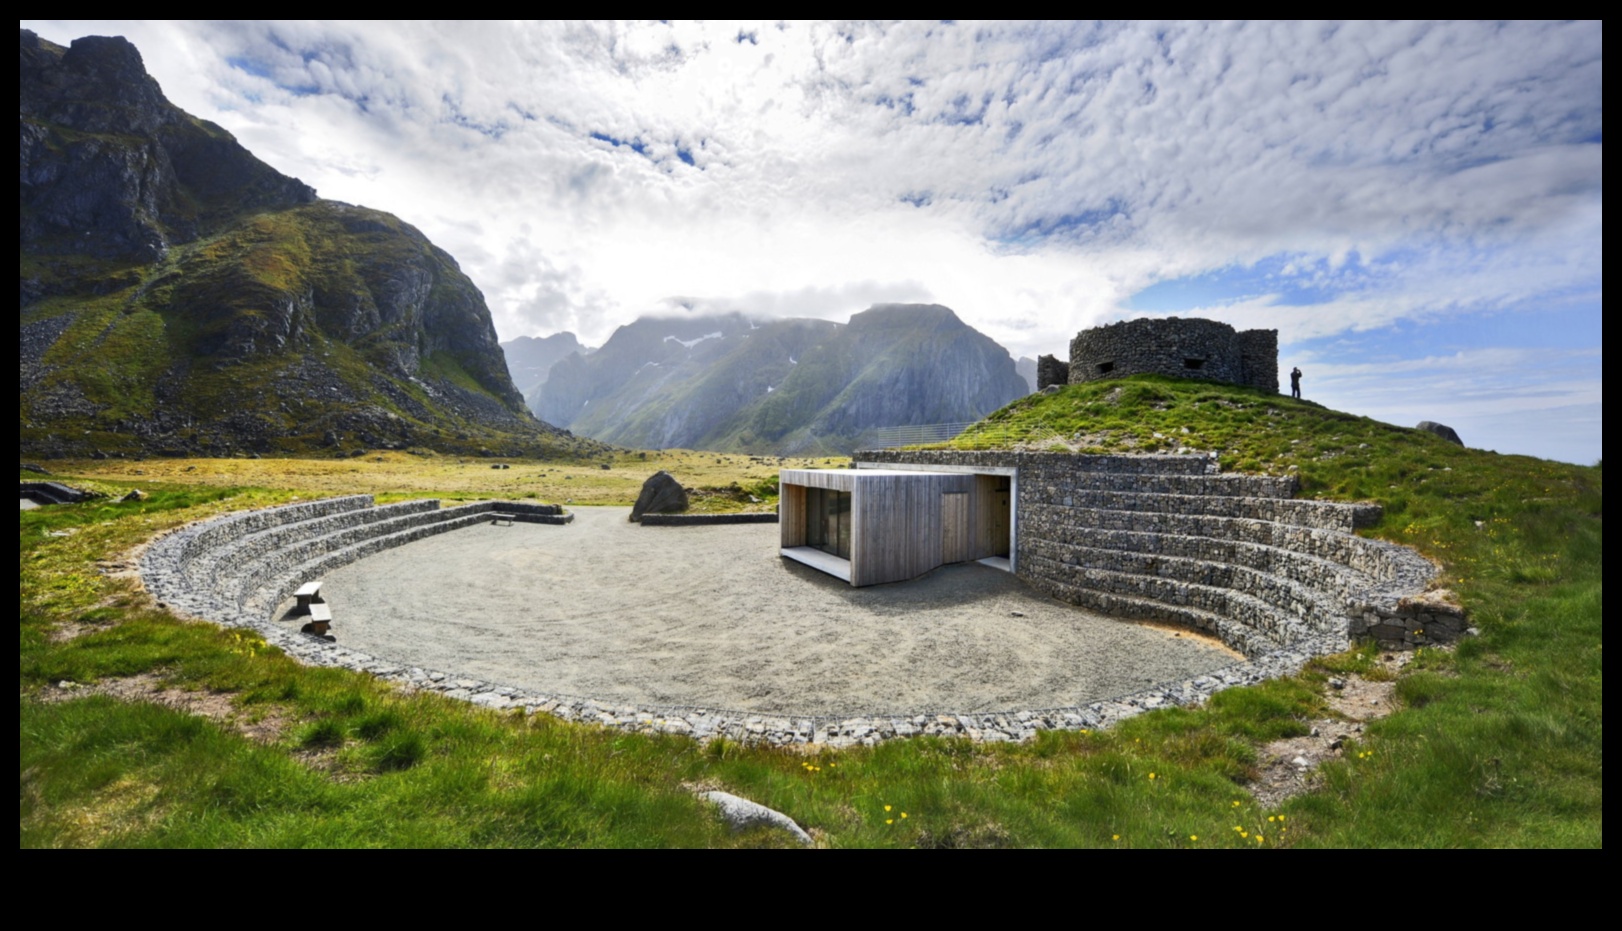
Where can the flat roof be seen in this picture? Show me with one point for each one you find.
(785, 474)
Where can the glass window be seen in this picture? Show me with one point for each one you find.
(827, 519)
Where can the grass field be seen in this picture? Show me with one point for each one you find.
(1498, 743)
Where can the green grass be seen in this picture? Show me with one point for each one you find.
(1498, 743)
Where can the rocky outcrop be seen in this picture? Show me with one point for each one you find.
(179, 295)
(1440, 429)
(110, 168)
(661, 494)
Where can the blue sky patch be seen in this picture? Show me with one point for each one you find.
(1296, 280)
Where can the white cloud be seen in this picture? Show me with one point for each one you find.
(1030, 176)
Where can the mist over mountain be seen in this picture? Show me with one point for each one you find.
(179, 295)
(530, 358)
(787, 386)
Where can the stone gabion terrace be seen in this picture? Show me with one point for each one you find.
(1165, 538)
(1152, 538)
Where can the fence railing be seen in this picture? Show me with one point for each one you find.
(966, 435)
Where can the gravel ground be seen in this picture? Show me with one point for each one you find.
(713, 617)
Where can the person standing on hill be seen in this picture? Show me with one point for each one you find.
(1295, 382)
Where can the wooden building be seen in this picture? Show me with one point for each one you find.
(870, 526)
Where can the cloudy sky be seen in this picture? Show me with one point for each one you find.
(1416, 208)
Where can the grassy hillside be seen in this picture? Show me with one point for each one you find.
(1497, 743)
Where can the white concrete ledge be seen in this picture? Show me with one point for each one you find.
(817, 559)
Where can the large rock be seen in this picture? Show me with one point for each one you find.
(1440, 429)
(661, 494)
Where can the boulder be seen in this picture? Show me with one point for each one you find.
(1440, 429)
(661, 494)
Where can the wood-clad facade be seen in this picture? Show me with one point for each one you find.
(871, 526)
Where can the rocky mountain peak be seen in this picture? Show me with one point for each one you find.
(111, 169)
(179, 294)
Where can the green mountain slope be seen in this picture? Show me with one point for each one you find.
(178, 295)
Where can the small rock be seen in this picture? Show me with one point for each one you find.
(135, 494)
(1016, 613)
(1301, 762)
(1337, 683)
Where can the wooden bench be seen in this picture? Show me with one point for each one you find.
(308, 595)
(499, 519)
(320, 620)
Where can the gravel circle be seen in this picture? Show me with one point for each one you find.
(713, 617)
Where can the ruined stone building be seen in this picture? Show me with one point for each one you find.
(1187, 347)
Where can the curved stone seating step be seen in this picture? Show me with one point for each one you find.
(1237, 636)
(270, 590)
(1230, 485)
(1287, 595)
(253, 546)
(1323, 515)
(249, 574)
(1362, 553)
(226, 530)
(1314, 572)
(1277, 624)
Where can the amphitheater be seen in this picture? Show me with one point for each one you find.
(1239, 559)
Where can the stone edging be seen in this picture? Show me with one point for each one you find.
(707, 520)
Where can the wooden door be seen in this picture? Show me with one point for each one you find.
(954, 527)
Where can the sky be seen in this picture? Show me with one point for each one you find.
(1415, 207)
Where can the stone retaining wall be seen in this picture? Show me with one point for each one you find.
(707, 520)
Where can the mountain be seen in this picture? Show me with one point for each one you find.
(530, 358)
(178, 295)
(1026, 367)
(786, 386)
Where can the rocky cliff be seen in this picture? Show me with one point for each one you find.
(179, 295)
(780, 386)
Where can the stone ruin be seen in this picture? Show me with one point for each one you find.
(1185, 347)
(1051, 370)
